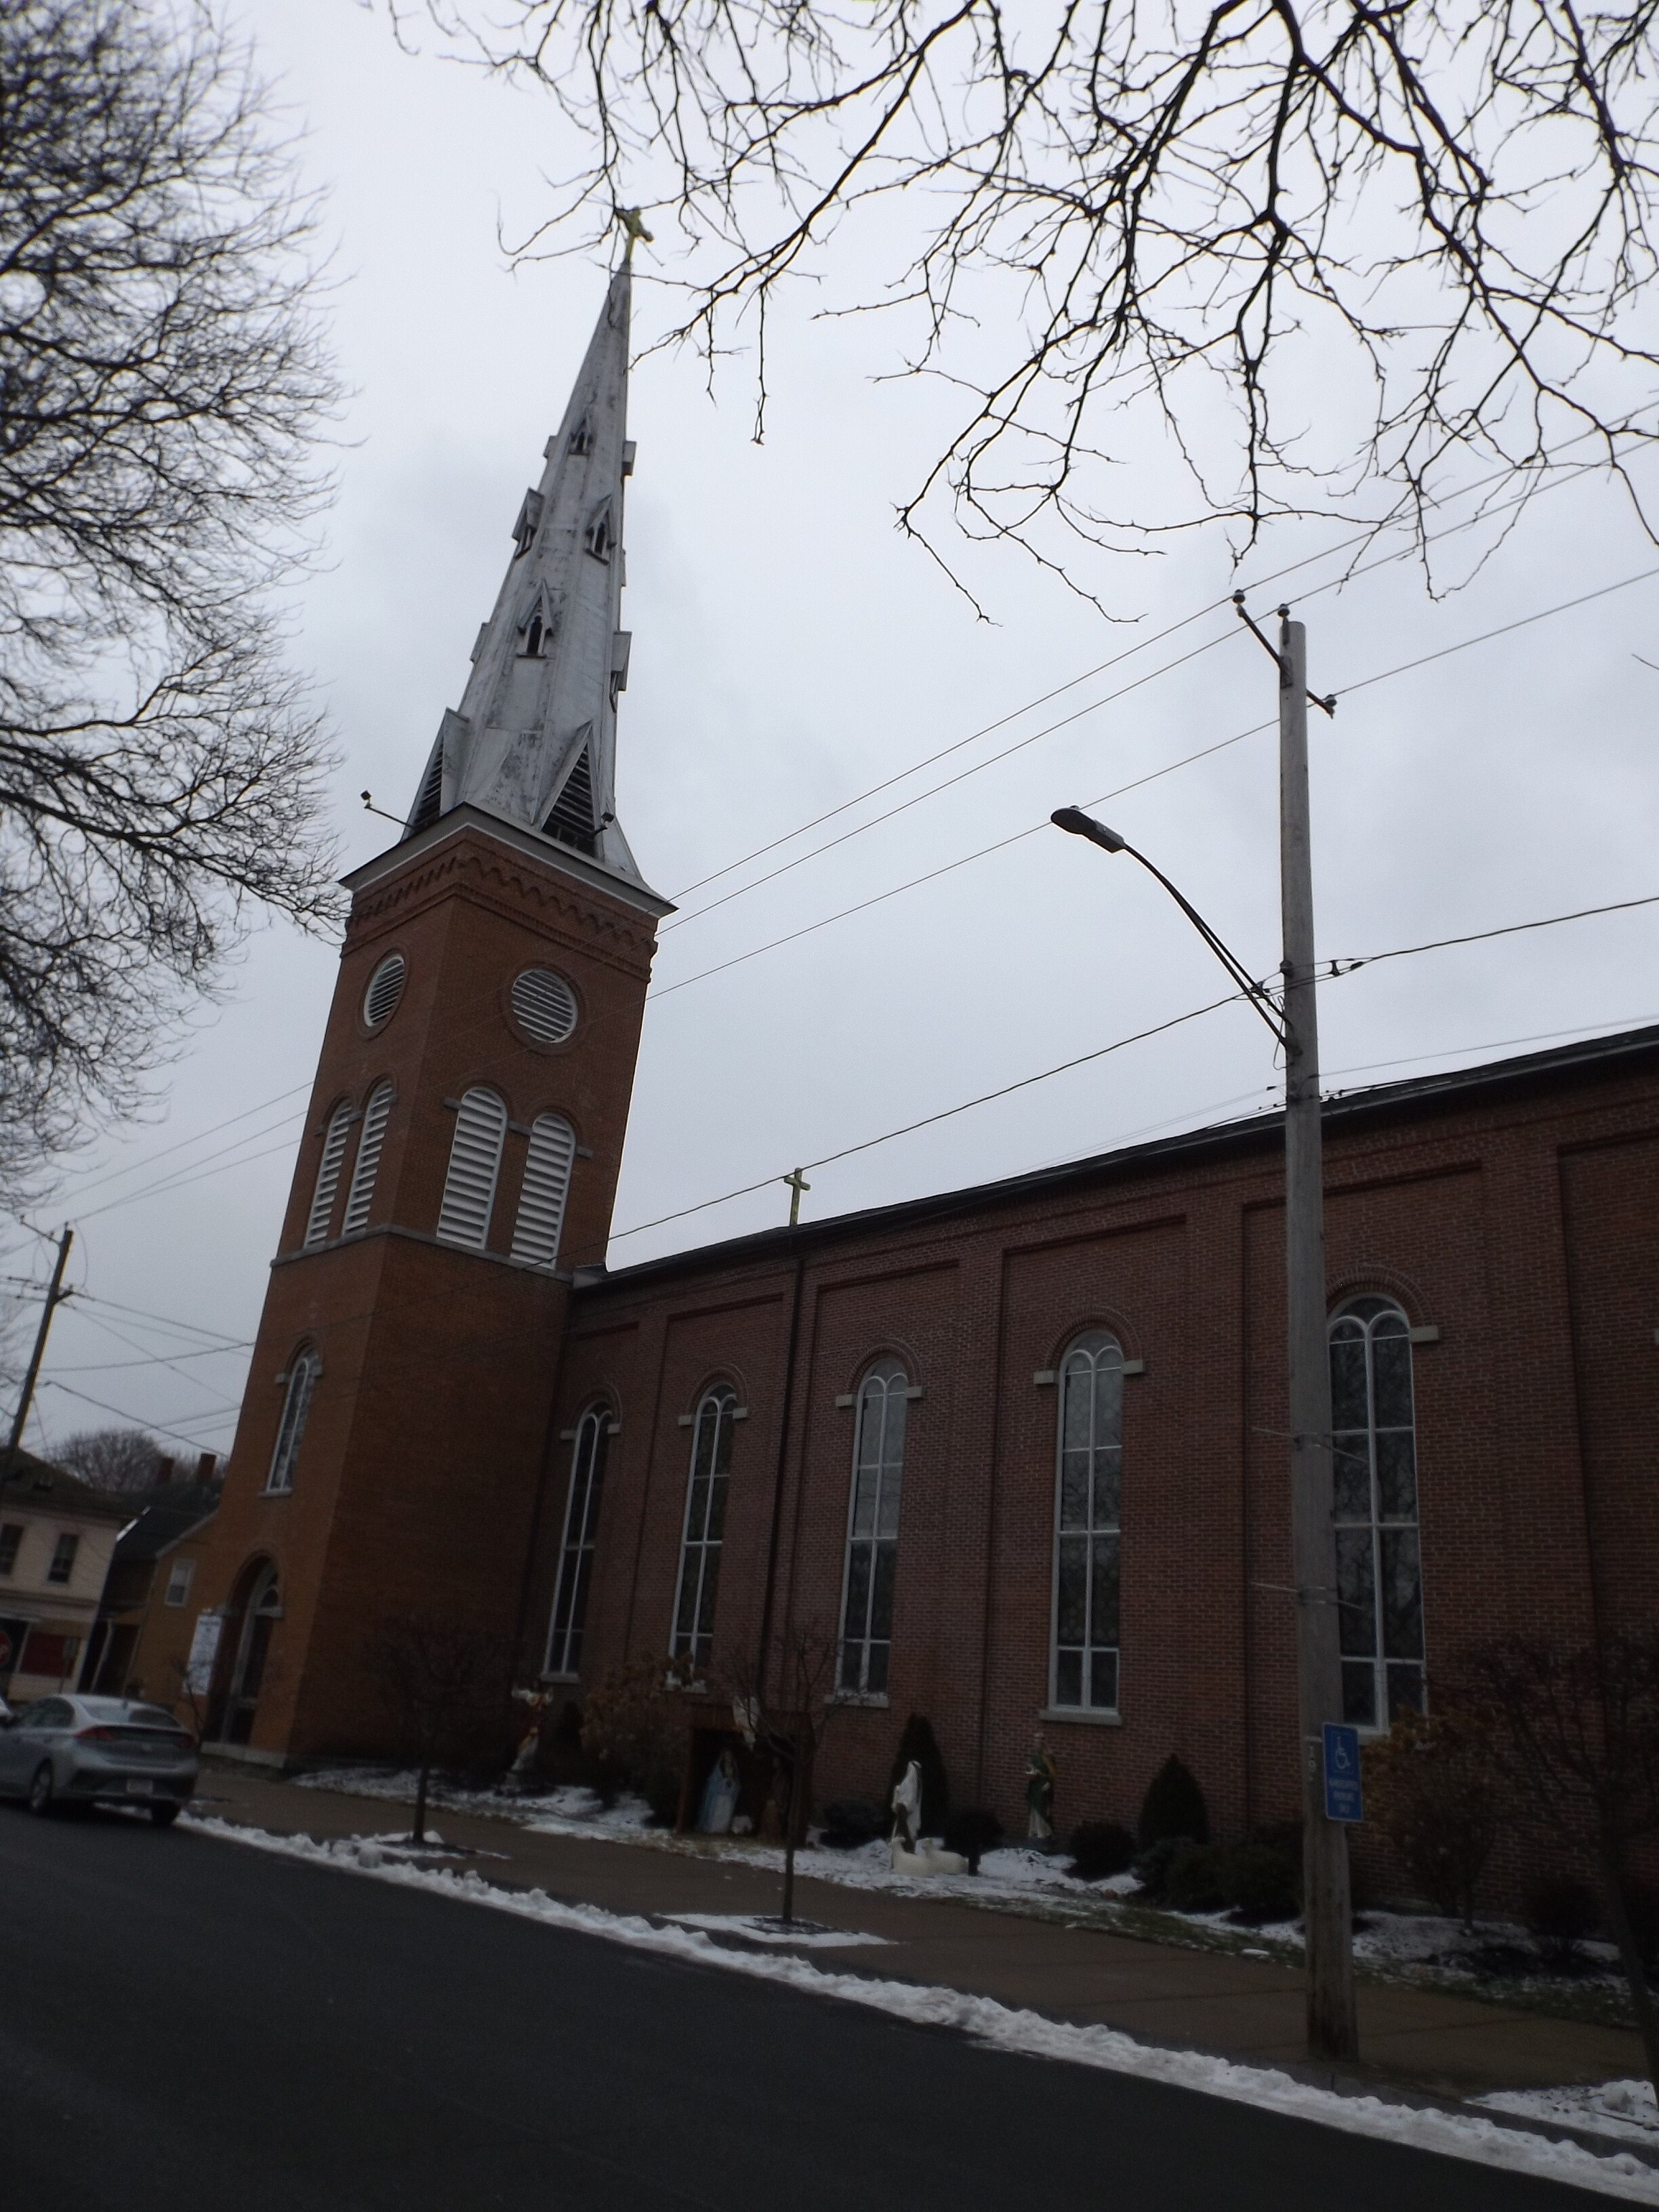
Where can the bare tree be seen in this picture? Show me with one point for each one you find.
(1576, 1733)
(784, 1699)
(162, 383)
(1433, 1781)
(1242, 257)
(444, 1686)
(126, 1461)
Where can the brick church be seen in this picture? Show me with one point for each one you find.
(1020, 1449)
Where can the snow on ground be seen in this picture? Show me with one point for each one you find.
(766, 1928)
(1456, 2135)
(1624, 2109)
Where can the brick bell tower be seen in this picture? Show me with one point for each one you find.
(461, 1150)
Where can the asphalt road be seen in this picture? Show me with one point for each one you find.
(185, 2022)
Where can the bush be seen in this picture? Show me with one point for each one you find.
(1196, 1879)
(1101, 1849)
(1264, 1874)
(1151, 1868)
(1173, 1808)
(973, 1831)
(918, 1742)
(631, 1728)
(851, 1822)
(1434, 1790)
(1557, 1914)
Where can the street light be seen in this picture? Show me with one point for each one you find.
(1328, 1911)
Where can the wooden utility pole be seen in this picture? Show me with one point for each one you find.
(1327, 1912)
(55, 1298)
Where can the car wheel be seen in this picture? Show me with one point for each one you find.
(43, 1789)
(164, 1815)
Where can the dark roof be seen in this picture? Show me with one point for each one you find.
(27, 1480)
(1419, 1096)
(166, 1516)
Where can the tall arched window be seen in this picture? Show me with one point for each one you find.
(1087, 1504)
(581, 1520)
(302, 1372)
(705, 1526)
(1379, 1570)
(548, 1158)
(328, 1174)
(361, 1196)
(474, 1161)
(872, 1528)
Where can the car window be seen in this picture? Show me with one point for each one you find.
(150, 1717)
(46, 1713)
(29, 1715)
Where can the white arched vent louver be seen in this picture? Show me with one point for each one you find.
(474, 1161)
(544, 1005)
(546, 1185)
(376, 1114)
(328, 1174)
(385, 988)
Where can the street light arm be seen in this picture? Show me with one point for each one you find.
(1260, 999)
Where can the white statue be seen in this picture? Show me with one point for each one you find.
(909, 1851)
(720, 1798)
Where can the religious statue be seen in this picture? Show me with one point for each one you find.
(1041, 1775)
(907, 1808)
(720, 1796)
(530, 1743)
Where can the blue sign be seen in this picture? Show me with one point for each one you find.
(1344, 1799)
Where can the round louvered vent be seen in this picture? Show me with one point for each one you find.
(544, 1005)
(385, 988)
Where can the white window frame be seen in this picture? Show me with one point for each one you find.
(578, 1542)
(67, 1547)
(1365, 1312)
(1096, 1351)
(878, 1442)
(335, 1134)
(180, 1576)
(700, 1552)
(468, 1205)
(303, 1369)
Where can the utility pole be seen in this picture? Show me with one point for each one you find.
(55, 1298)
(1328, 1911)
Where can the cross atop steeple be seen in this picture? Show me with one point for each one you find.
(534, 740)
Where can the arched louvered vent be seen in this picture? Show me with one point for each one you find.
(428, 800)
(328, 1174)
(474, 1161)
(546, 1185)
(601, 534)
(572, 819)
(361, 1196)
(544, 1006)
(385, 988)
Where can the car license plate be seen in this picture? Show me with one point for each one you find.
(136, 1788)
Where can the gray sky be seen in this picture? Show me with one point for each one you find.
(790, 649)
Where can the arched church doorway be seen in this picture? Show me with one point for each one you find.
(253, 1614)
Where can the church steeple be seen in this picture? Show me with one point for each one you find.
(534, 740)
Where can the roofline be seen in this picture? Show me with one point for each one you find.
(1445, 1090)
(561, 860)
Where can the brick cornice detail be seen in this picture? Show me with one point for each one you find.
(487, 878)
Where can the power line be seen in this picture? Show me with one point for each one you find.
(147, 1159)
(139, 1313)
(1345, 965)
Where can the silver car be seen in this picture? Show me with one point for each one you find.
(98, 1751)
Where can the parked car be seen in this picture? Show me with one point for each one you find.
(98, 1751)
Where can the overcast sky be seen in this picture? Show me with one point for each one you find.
(791, 649)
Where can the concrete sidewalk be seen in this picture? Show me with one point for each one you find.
(1248, 2008)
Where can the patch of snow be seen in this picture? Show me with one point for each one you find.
(759, 1927)
(1456, 2135)
(1625, 2109)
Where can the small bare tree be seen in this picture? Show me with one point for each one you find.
(784, 1699)
(1434, 1783)
(444, 1686)
(1576, 1733)
(125, 1462)
(630, 1725)
(162, 383)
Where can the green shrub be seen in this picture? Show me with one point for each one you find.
(1197, 1879)
(1557, 1914)
(1151, 1866)
(1101, 1849)
(1264, 1874)
(1173, 1807)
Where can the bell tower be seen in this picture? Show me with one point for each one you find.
(461, 1151)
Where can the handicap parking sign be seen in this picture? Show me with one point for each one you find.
(1344, 1799)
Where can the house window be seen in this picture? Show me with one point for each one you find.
(178, 1583)
(582, 1519)
(360, 1197)
(1379, 1570)
(1088, 1493)
(474, 1161)
(705, 1524)
(328, 1174)
(547, 1158)
(62, 1559)
(302, 1381)
(872, 1527)
(11, 1537)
